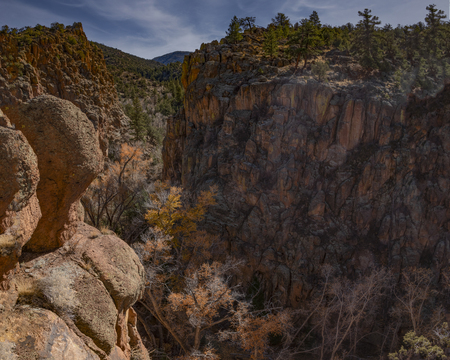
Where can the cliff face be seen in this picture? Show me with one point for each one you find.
(311, 173)
(63, 63)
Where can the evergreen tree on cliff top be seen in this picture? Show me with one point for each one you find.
(314, 18)
(305, 42)
(270, 44)
(248, 23)
(365, 42)
(434, 28)
(281, 20)
(234, 33)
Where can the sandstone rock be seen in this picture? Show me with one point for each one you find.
(121, 272)
(311, 173)
(87, 291)
(78, 285)
(116, 265)
(29, 333)
(69, 158)
(19, 207)
(70, 290)
(20, 176)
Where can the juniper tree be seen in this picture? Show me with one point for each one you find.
(234, 31)
(365, 42)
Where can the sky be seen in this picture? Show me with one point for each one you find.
(151, 28)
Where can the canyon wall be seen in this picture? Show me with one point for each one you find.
(311, 172)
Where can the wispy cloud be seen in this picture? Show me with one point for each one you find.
(150, 28)
(158, 31)
(18, 14)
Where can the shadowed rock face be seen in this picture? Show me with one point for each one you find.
(86, 282)
(69, 158)
(311, 173)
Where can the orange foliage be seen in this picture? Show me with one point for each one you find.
(252, 331)
(187, 293)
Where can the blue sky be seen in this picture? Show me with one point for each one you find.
(150, 28)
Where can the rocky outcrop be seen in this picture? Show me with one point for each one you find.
(66, 290)
(67, 147)
(61, 62)
(19, 208)
(308, 172)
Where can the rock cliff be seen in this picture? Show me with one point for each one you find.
(66, 290)
(61, 62)
(311, 172)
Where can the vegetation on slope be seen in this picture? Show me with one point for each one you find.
(176, 56)
(148, 91)
(411, 58)
(119, 62)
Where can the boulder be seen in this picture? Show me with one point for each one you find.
(19, 207)
(69, 158)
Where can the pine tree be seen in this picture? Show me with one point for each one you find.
(281, 20)
(389, 43)
(270, 44)
(434, 28)
(139, 119)
(366, 43)
(314, 18)
(234, 31)
(304, 43)
(412, 41)
(248, 23)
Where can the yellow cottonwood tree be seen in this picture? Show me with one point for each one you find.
(187, 293)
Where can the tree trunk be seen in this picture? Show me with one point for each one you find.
(197, 338)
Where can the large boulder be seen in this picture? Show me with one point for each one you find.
(82, 285)
(19, 207)
(69, 158)
(75, 300)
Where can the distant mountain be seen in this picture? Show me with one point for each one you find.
(172, 57)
